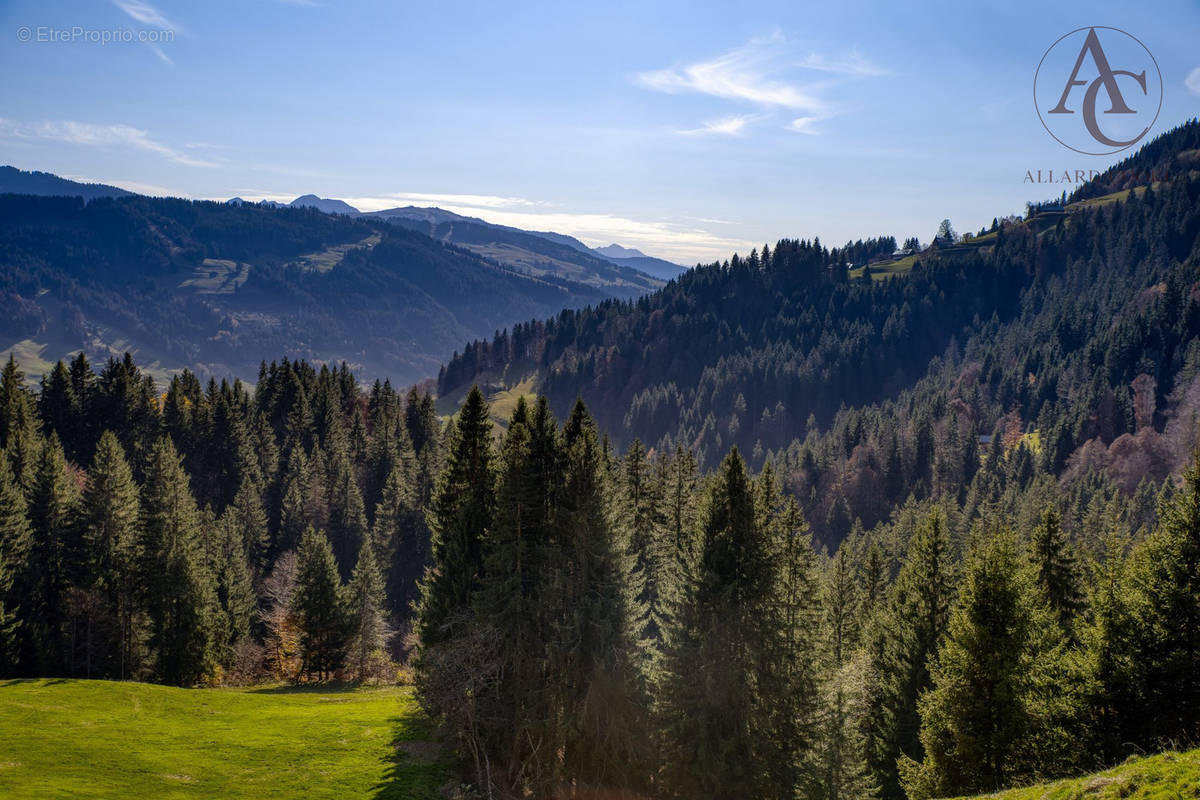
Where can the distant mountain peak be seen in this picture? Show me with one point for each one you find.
(329, 205)
(615, 250)
(629, 257)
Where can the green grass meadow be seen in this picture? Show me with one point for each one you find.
(106, 739)
(1167, 776)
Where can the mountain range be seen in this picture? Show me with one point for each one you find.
(623, 270)
(522, 249)
(220, 286)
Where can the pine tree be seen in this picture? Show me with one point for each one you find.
(347, 530)
(909, 631)
(1113, 672)
(246, 519)
(18, 426)
(678, 513)
(56, 561)
(1166, 605)
(401, 548)
(83, 388)
(110, 528)
(513, 603)
(460, 517)
(646, 546)
(60, 410)
(234, 586)
(980, 714)
(720, 731)
(789, 689)
(366, 652)
(15, 545)
(841, 758)
(842, 769)
(841, 604)
(1057, 574)
(873, 580)
(294, 514)
(176, 583)
(318, 606)
(593, 653)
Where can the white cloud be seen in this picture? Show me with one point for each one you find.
(682, 243)
(151, 189)
(1193, 81)
(418, 198)
(804, 125)
(146, 14)
(733, 125)
(86, 134)
(151, 17)
(764, 72)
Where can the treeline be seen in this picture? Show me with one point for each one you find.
(203, 534)
(1160, 159)
(586, 629)
(860, 252)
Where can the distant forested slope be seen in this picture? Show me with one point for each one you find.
(219, 287)
(1071, 332)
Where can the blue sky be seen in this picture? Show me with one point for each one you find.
(688, 130)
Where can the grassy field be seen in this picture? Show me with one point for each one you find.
(1168, 776)
(217, 276)
(103, 739)
(881, 272)
(330, 257)
(501, 401)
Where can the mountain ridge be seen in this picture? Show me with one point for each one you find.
(217, 287)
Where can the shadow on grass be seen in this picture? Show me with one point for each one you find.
(332, 687)
(42, 681)
(418, 766)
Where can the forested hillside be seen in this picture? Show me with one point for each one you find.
(219, 287)
(557, 601)
(967, 557)
(1069, 336)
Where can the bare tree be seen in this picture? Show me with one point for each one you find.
(282, 655)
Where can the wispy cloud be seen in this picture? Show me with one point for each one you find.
(146, 14)
(151, 17)
(766, 72)
(1193, 81)
(472, 200)
(733, 125)
(806, 124)
(86, 134)
(151, 189)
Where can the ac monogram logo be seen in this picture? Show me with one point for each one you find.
(1133, 97)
